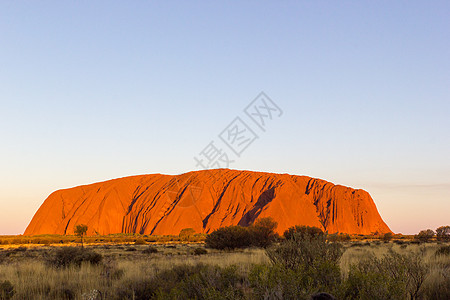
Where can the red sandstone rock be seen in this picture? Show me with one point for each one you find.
(206, 200)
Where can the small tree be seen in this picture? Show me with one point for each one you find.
(387, 236)
(263, 232)
(425, 235)
(186, 233)
(443, 233)
(230, 237)
(80, 230)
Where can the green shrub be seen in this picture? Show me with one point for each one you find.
(65, 256)
(231, 237)
(6, 290)
(303, 232)
(361, 284)
(311, 258)
(259, 234)
(301, 251)
(394, 276)
(262, 232)
(277, 282)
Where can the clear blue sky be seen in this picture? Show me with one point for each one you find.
(95, 90)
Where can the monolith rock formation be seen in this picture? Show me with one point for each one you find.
(206, 200)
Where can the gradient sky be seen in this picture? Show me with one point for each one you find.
(94, 90)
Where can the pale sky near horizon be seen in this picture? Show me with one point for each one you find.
(91, 91)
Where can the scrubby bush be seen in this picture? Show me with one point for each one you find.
(341, 237)
(21, 249)
(63, 292)
(200, 251)
(276, 282)
(230, 237)
(438, 288)
(387, 236)
(301, 252)
(443, 233)
(391, 277)
(311, 259)
(6, 290)
(262, 232)
(186, 282)
(361, 284)
(443, 250)
(186, 233)
(111, 270)
(150, 250)
(140, 241)
(303, 232)
(66, 256)
(425, 235)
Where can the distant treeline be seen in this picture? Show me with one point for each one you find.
(119, 238)
(189, 235)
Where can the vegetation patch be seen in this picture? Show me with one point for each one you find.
(6, 290)
(63, 257)
(150, 250)
(443, 250)
(260, 234)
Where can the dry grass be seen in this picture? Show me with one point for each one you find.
(33, 279)
(438, 267)
(118, 238)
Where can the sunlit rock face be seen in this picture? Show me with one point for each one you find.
(206, 200)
